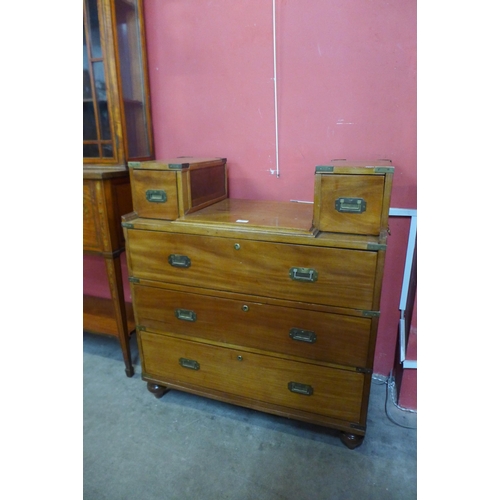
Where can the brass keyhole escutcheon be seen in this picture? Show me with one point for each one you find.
(239, 358)
(237, 246)
(245, 308)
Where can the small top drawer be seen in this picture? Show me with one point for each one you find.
(352, 197)
(169, 189)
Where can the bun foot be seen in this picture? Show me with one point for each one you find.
(157, 390)
(351, 440)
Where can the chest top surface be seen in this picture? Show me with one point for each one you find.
(254, 214)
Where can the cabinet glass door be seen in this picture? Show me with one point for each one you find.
(130, 49)
(97, 142)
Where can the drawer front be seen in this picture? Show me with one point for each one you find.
(314, 335)
(331, 276)
(155, 194)
(303, 386)
(349, 203)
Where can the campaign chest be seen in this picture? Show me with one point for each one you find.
(168, 189)
(352, 197)
(250, 303)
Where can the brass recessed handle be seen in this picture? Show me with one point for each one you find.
(304, 389)
(303, 274)
(189, 363)
(185, 315)
(303, 335)
(350, 205)
(156, 196)
(179, 260)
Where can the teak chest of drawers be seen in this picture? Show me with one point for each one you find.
(250, 303)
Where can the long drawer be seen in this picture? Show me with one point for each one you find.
(310, 334)
(302, 386)
(330, 276)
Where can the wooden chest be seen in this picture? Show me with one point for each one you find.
(248, 302)
(168, 189)
(352, 197)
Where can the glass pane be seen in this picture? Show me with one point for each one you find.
(90, 151)
(87, 91)
(97, 132)
(104, 119)
(125, 59)
(95, 36)
(99, 80)
(131, 73)
(136, 130)
(89, 124)
(107, 150)
(100, 87)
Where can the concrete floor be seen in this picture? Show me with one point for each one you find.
(181, 447)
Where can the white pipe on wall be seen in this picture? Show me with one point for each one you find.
(275, 92)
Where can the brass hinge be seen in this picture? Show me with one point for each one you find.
(140, 328)
(178, 166)
(134, 164)
(384, 170)
(376, 246)
(359, 369)
(133, 279)
(128, 225)
(324, 169)
(371, 314)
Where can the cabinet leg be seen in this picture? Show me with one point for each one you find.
(114, 271)
(157, 390)
(351, 440)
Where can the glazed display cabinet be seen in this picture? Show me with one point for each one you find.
(116, 129)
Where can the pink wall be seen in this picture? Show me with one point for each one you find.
(346, 89)
(95, 282)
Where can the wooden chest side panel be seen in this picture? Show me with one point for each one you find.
(121, 195)
(105, 200)
(207, 186)
(335, 393)
(315, 335)
(155, 181)
(92, 240)
(345, 278)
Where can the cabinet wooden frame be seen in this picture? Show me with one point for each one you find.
(106, 196)
(106, 181)
(116, 100)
